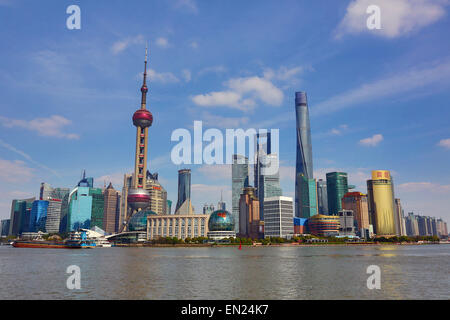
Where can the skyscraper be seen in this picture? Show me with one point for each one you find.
(263, 147)
(53, 215)
(63, 195)
(279, 214)
(267, 182)
(157, 193)
(208, 208)
(239, 181)
(399, 219)
(97, 210)
(111, 209)
(184, 205)
(322, 197)
(169, 207)
(38, 216)
(422, 225)
(86, 181)
(249, 222)
(80, 209)
(4, 229)
(45, 191)
(20, 216)
(127, 185)
(380, 191)
(304, 164)
(412, 227)
(221, 204)
(307, 192)
(138, 197)
(337, 187)
(357, 202)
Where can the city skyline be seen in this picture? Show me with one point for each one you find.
(358, 122)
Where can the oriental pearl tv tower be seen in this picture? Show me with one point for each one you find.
(138, 197)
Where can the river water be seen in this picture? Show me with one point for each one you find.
(321, 272)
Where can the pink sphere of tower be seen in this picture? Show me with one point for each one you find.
(138, 199)
(142, 118)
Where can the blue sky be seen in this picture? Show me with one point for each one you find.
(378, 98)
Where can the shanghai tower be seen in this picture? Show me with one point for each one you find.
(305, 187)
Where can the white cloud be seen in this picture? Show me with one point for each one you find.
(284, 74)
(259, 88)
(14, 171)
(243, 94)
(339, 131)
(162, 42)
(398, 18)
(49, 127)
(26, 156)
(213, 69)
(371, 141)
(404, 82)
(217, 121)
(445, 143)
(223, 98)
(424, 186)
(194, 44)
(187, 5)
(163, 77)
(187, 75)
(123, 44)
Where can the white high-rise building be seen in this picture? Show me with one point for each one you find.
(53, 215)
(278, 217)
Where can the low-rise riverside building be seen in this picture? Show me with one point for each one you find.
(178, 226)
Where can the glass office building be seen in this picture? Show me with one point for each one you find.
(98, 205)
(304, 164)
(80, 209)
(38, 216)
(239, 181)
(322, 197)
(20, 216)
(268, 184)
(337, 187)
(4, 231)
(308, 197)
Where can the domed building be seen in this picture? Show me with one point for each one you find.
(221, 225)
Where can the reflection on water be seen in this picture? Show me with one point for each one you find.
(322, 272)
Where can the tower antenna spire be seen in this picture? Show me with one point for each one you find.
(144, 88)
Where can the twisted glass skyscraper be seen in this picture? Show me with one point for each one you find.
(305, 186)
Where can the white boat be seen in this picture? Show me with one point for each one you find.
(103, 243)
